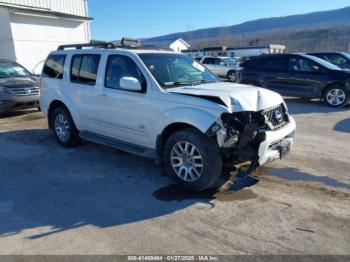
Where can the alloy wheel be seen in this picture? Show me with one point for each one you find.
(336, 97)
(186, 161)
(62, 128)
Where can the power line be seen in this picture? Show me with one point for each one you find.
(124, 20)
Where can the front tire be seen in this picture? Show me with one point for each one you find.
(336, 96)
(192, 159)
(64, 128)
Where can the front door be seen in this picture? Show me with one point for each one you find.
(306, 77)
(122, 114)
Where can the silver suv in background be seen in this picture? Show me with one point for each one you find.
(18, 87)
(224, 67)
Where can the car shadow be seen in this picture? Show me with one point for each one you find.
(45, 186)
(15, 113)
(294, 174)
(343, 126)
(299, 106)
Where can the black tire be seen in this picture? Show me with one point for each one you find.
(329, 93)
(226, 175)
(231, 76)
(72, 134)
(209, 151)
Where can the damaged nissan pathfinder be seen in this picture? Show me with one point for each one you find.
(165, 106)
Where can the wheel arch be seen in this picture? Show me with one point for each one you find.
(166, 133)
(53, 105)
(331, 85)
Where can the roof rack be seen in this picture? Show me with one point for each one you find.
(99, 44)
(126, 43)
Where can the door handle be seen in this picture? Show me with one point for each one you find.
(104, 96)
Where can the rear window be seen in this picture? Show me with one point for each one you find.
(54, 66)
(84, 69)
(271, 63)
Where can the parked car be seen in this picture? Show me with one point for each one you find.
(163, 105)
(298, 75)
(225, 67)
(340, 59)
(18, 87)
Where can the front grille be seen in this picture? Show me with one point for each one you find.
(23, 91)
(276, 117)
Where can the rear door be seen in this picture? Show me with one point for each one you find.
(82, 90)
(274, 74)
(306, 77)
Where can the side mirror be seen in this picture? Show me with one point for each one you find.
(130, 84)
(223, 64)
(315, 68)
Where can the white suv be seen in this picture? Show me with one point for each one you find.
(165, 106)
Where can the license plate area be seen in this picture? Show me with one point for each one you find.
(285, 149)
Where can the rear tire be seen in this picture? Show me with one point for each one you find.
(192, 159)
(64, 128)
(336, 96)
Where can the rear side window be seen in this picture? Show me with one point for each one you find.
(54, 66)
(277, 64)
(84, 69)
(267, 63)
(209, 61)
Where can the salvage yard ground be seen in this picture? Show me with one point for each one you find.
(97, 200)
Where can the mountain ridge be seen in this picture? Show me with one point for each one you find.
(261, 28)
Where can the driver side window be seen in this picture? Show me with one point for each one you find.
(119, 66)
(302, 65)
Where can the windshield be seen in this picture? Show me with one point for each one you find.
(323, 63)
(176, 69)
(12, 70)
(347, 56)
(230, 61)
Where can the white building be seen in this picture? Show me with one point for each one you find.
(179, 45)
(237, 52)
(30, 29)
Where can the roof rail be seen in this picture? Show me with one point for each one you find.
(99, 44)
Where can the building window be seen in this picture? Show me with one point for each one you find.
(84, 69)
(54, 66)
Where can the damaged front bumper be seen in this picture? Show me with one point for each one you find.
(254, 136)
(277, 144)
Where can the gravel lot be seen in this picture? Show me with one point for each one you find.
(96, 200)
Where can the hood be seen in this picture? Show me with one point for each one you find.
(19, 82)
(342, 74)
(235, 97)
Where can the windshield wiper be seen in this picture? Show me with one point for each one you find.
(191, 83)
